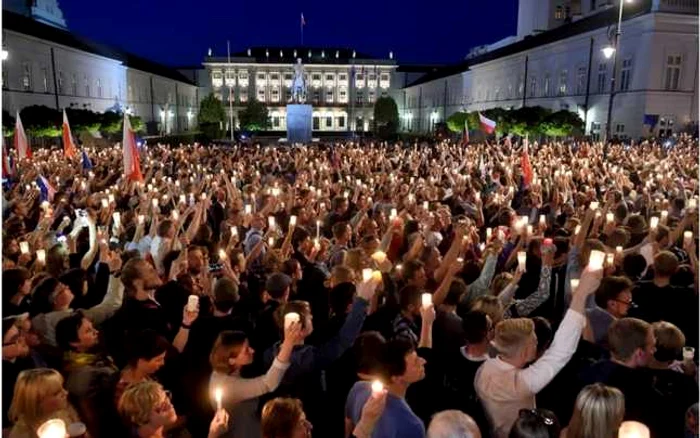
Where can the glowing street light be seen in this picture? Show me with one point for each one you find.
(608, 52)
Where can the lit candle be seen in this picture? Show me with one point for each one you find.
(426, 300)
(248, 209)
(379, 257)
(522, 259)
(664, 216)
(543, 220)
(425, 205)
(292, 220)
(574, 283)
(183, 199)
(271, 221)
(117, 217)
(377, 388)
(633, 429)
(154, 201)
(596, 260)
(41, 255)
(291, 318)
(175, 215)
(618, 249)
(594, 205)
(222, 254)
(317, 244)
(24, 247)
(489, 232)
(577, 230)
(687, 237)
(218, 395)
(192, 303)
(234, 231)
(142, 219)
(104, 203)
(693, 204)
(110, 197)
(318, 229)
(654, 222)
(377, 276)
(366, 274)
(609, 217)
(529, 230)
(610, 259)
(393, 214)
(52, 429)
(399, 267)
(271, 242)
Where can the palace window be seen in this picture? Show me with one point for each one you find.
(87, 85)
(533, 87)
(547, 88)
(99, 88)
(275, 95)
(217, 79)
(340, 121)
(243, 95)
(26, 76)
(329, 96)
(559, 13)
(329, 122)
(673, 72)
(230, 78)
(243, 79)
(261, 95)
(602, 77)
(343, 95)
(626, 74)
(359, 97)
(359, 80)
(563, 79)
(45, 79)
(581, 80)
(372, 96)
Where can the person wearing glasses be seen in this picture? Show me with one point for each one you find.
(613, 300)
(148, 411)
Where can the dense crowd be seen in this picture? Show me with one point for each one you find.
(366, 290)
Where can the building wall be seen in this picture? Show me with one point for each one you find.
(562, 68)
(88, 81)
(432, 102)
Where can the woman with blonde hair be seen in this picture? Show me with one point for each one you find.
(39, 396)
(598, 413)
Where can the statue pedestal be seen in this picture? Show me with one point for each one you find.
(299, 123)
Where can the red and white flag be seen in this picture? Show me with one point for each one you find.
(132, 167)
(69, 149)
(21, 143)
(487, 125)
(526, 166)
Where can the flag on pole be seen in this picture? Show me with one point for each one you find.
(526, 166)
(87, 164)
(303, 22)
(69, 149)
(487, 125)
(465, 139)
(6, 167)
(46, 189)
(21, 143)
(132, 168)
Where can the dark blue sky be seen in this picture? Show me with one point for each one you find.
(178, 32)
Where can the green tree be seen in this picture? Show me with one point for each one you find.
(137, 124)
(386, 117)
(41, 121)
(8, 124)
(501, 116)
(254, 116)
(455, 122)
(528, 120)
(561, 124)
(111, 122)
(211, 116)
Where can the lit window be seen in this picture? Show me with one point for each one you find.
(329, 96)
(359, 97)
(275, 95)
(45, 79)
(673, 72)
(559, 13)
(372, 96)
(217, 79)
(230, 78)
(261, 94)
(563, 79)
(602, 78)
(581, 80)
(359, 80)
(26, 76)
(243, 79)
(243, 95)
(343, 95)
(87, 85)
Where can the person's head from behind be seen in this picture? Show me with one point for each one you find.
(301, 308)
(615, 295)
(342, 232)
(139, 279)
(166, 229)
(598, 412)
(410, 300)
(146, 406)
(145, 352)
(401, 365)
(544, 333)
(16, 281)
(367, 350)
(292, 268)
(225, 295)
(277, 286)
(341, 274)
(231, 352)
(500, 282)
(414, 273)
(516, 341)
(670, 341)
(665, 265)
(634, 265)
(38, 394)
(535, 423)
(301, 240)
(490, 305)
(284, 418)
(453, 424)
(76, 333)
(477, 327)
(339, 205)
(631, 342)
(341, 297)
(457, 290)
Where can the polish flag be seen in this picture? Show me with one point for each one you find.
(69, 149)
(487, 125)
(21, 143)
(526, 166)
(132, 168)
(45, 188)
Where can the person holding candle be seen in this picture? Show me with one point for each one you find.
(148, 411)
(342, 234)
(232, 352)
(613, 301)
(502, 383)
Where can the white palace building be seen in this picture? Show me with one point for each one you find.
(556, 61)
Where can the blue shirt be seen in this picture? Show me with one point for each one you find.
(397, 421)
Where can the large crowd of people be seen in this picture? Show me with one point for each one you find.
(379, 290)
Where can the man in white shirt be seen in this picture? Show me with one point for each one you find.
(504, 385)
(162, 243)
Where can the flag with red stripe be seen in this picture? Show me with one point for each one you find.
(525, 165)
(487, 125)
(21, 143)
(69, 149)
(132, 167)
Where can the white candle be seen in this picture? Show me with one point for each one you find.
(234, 231)
(596, 260)
(426, 300)
(318, 229)
(366, 274)
(425, 205)
(654, 222)
(117, 217)
(271, 242)
(105, 203)
(489, 232)
(248, 209)
(192, 303)
(292, 220)
(522, 259)
(175, 215)
(52, 429)
(664, 215)
(271, 221)
(543, 220)
(142, 219)
(110, 197)
(41, 255)
(687, 237)
(594, 205)
(222, 254)
(529, 230)
(291, 318)
(24, 247)
(393, 214)
(688, 353)
(577, 230)
(618, 249)
(610, 259)
(609, 217)
(574, 283)
(218, 395)
(379, 257)
(183, 199)
(377, 387)
(154, 201)
(633, 429)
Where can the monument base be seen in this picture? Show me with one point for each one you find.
(299, 123)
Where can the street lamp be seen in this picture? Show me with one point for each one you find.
(611, 52)
(4, 54)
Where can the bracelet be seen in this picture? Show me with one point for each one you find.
(185, 326)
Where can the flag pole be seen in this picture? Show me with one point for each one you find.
(230, 88)
(301, 27)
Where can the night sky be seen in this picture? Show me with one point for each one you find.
(178, 32)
